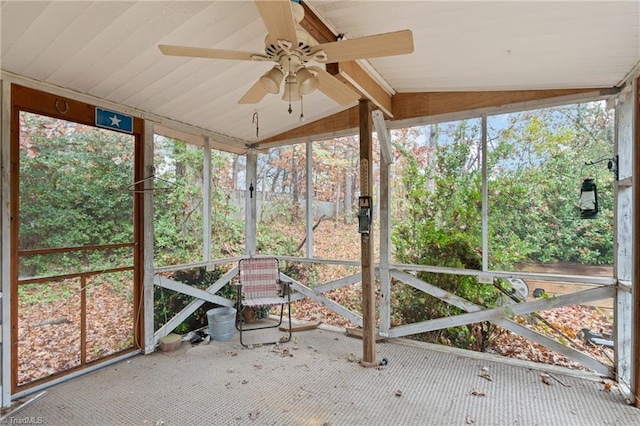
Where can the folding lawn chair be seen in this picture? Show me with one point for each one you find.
(260, 286)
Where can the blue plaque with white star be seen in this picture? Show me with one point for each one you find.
(114, 120)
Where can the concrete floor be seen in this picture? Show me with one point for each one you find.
(316, 380)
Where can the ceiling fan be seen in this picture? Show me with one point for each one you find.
(291, 48)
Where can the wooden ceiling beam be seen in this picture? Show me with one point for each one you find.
(343, 120)
(313, 25)
(409, 106)
(353, 74)
(349, 73)
(415, 105)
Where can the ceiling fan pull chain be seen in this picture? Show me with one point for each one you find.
(288, 75)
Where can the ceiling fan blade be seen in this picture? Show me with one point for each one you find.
(203, 52)
(375, 46)
(278, 18)
(254, 95)
(334, 88)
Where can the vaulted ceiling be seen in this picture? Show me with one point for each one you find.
(109, 51)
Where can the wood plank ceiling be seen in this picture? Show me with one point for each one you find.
(108, 50)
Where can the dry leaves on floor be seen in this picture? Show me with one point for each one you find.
(476, 392)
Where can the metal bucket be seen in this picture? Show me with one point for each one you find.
(222, 323)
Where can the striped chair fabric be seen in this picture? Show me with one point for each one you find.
(260, 279)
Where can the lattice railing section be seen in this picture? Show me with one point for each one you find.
(500, 316)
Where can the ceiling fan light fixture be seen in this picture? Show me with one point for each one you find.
(272, 79)
(307, 81)
(291, 90)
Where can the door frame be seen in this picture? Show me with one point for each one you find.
(59, 107)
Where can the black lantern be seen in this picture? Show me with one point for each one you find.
(588, 199)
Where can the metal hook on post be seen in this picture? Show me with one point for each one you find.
(612, 165)
(254, 120)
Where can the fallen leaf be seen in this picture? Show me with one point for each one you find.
(476, 392)
(486, 376)
(545, 379)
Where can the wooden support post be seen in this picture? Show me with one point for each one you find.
(148, 241)
(141, 229)
(366, 240)
(635, 361)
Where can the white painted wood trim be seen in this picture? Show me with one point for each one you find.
(558, 347)
(383, 137)
(634, 333)
(626, 182)
(341, 282)
(582, 279)
(191, 291)
(309, 198)
(250, 203)
(197, 139)
(5, 248)
(337, 308)
(384, 296)
(434, 291)
(623, 244)
(192, 307)
(181, 267)
(630, 77)
(534, 336)
(206, 200)
(625, 285)
(317, 260)
(502, 312)
(148, 231)
(173, 268)
(485, 198)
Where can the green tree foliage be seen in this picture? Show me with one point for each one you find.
(536, 162)
(536, 166)
(73, 191)
(441, 227)
(178, 212)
